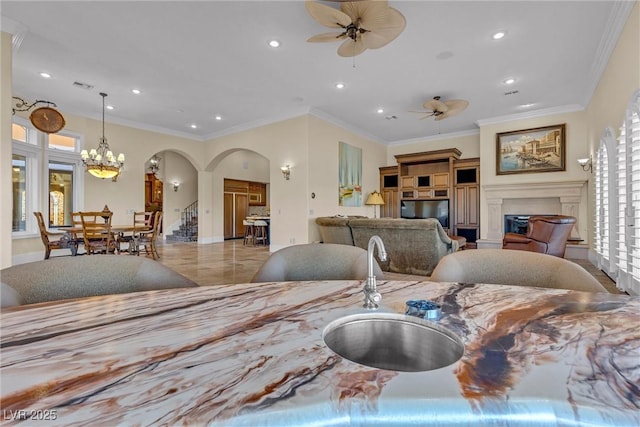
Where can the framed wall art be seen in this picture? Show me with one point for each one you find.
(349, 175)
(531, 150)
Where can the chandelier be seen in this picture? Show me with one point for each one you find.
(154, 164)
(100, 162)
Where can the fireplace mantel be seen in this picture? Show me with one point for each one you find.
(569, 194)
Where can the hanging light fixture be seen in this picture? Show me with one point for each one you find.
(154, 164)
(100, 161)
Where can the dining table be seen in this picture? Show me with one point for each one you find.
(119, 230)
(254, 354)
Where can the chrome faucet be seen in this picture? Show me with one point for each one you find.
(371, 296)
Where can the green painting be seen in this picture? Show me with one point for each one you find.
(349, 175)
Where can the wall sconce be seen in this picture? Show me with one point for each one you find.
(586, 163)
(176, 185)
(286, 172)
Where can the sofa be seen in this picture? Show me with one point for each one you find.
(84, 276)
(414, 246)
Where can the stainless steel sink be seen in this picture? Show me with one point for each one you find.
(393, 341)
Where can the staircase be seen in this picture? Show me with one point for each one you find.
(188, 231)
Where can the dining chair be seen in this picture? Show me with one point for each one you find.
(76, 224)
(141, 220)
(97, 234)
(64, 240)
(148, 239)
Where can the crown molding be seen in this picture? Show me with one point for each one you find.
(138, 125)
(257, 123)
(618, 17)
(438, 137)
(16, 29)
(572, 108)
(331, 119)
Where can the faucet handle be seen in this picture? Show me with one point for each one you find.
(372, 299)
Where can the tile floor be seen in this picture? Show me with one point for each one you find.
(232, 262)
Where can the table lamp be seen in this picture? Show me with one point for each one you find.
(374, 199)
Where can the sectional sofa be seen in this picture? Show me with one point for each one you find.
(414, 246)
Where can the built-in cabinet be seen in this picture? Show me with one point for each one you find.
(238, 197)
(436, 175)
(466, 213)
(389, 192)
(257, 194)
(153, 193)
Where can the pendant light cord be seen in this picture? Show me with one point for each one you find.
(103, 95)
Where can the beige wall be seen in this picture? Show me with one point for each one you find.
(310, 146)
(323, 171)
(279, 143)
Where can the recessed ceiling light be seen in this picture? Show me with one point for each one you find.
(498, 35)
(194, 126)
(274, 43)
(340, 85)
(45, 75)
(380, 111)
(526, 105)
(136, 91)
(509, 81)
(109, 107)
(218, 117)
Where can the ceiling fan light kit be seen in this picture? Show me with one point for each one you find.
(363, 24)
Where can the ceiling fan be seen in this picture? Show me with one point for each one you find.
(442, 109)
(364, 25)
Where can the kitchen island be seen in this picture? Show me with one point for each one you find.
(253, 355)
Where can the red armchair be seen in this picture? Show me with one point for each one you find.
(547, 235)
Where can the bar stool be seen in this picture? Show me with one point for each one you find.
(249, 234)
(261, 234)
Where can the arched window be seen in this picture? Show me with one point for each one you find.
(602, 204)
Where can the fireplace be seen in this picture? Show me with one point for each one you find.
(523, 199)
(518, 223)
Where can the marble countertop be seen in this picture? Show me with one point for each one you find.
(253, 354)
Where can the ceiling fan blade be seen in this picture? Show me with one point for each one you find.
(327, 16)
(365, 13)
(383, 31)
(456, 105)
(326, 37)
(427, 114)
(350, 48)
(435, 105)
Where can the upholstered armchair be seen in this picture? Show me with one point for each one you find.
(547, 235)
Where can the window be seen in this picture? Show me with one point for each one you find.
(19, 180)
(602, 203)
(618, 180)
(41, 161)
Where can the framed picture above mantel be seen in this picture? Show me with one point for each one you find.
(531, 150)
